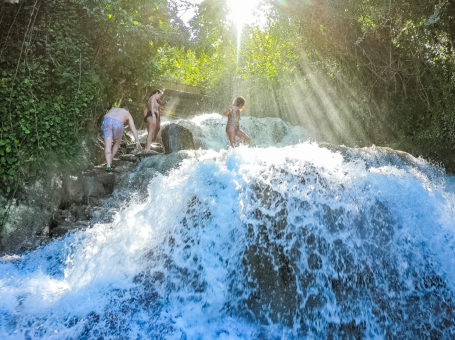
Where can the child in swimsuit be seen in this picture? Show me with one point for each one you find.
(233, 123)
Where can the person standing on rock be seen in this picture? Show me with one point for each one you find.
(233, 123)
(113, 126)
(152, 116)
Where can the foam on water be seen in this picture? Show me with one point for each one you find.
(209, 131)
(270, 242)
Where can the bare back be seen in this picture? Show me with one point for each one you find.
(119, 114)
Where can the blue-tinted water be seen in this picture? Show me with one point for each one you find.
(285, 240)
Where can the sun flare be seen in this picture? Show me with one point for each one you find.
(246, 12)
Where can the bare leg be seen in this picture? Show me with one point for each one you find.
(243, 136)
(115, 148)
(230, 131)
(108, 150)
(157, 129)
(151, 132)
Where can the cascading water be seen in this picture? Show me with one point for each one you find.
(285, 240)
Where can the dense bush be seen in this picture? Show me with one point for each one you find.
(48, 89)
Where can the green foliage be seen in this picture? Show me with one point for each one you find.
(396, 56)
(208, 59)
(187, 66)
(64, 63)
(128, 36)
(270, 55)
(47, 92)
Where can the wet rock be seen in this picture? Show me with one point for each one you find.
(129, 158)
(314, 262)
(176, 137)
(54, 205)
(156, 147)
(311, 239)
(315, 302)
(73, 190)
(63, 228)
(272, 281)
(332, 218)
(349, 330)
(147, 153)
(341, 257)
(98, 184)
(26, 220)
(307, 279)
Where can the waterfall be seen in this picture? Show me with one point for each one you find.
(287, 239)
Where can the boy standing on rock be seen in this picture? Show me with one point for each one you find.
(113, 126)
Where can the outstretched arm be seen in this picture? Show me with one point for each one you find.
(134, 131)
(228, 111)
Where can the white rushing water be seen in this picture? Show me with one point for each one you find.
(288, 239)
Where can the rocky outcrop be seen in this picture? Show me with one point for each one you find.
(29, 215)
(54, 205)
(59, 202)
(176, 137)
(155, 147)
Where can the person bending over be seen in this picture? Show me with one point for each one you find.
(113, 126)
(152, 117)
(233, 124)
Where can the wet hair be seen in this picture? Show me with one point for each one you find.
(239, 101)
(155, 92)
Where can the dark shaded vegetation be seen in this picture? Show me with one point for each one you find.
(48, 86)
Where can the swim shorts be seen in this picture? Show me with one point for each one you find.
(112, 128)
